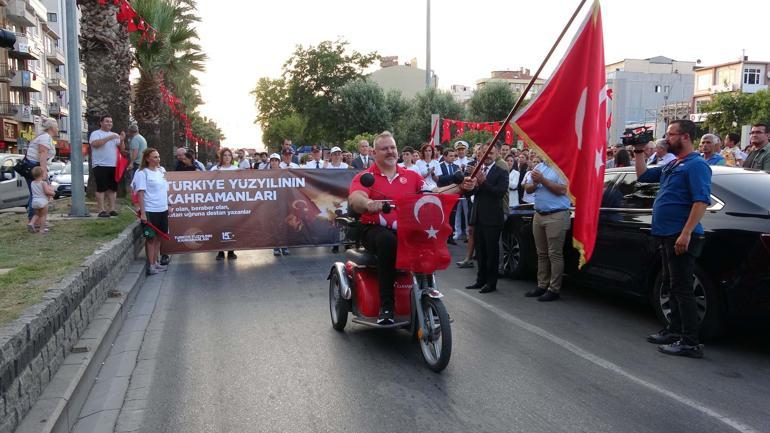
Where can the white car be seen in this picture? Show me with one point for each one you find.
(13, 188)
(62, 182)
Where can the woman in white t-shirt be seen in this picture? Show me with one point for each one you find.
(513, 181)
(39, 151)
(225, 163)
(150, 186)
(429, 168)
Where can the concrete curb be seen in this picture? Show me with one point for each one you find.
(60, 404)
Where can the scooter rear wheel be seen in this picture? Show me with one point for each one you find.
(436, 347)
(338, 307)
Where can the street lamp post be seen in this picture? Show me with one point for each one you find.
(78, 207)
(427, 48)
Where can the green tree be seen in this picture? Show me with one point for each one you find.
(351, 145)
(310, 80)
(728, 112)
(397, 107)
(491, 103)
(288, 126)
(360, 105)
(415, 128)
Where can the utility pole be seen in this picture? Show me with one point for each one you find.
(427, 47)
(78, 207)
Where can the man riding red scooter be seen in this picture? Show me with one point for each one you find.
(391, 182)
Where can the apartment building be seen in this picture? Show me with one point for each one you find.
(36, 86)
(518, 81)
(743, 75)
(461, 93)
(648, 92)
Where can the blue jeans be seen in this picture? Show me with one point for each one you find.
(30, 211)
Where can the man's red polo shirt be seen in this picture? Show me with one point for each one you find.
(405, 182)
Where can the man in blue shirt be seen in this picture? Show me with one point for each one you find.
(549, 228)
(684, 195)
(708, 145)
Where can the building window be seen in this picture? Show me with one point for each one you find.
(700, 104)
(666, 89)
(52, 17)
(751, 76)
(704, 81)
(658, 88)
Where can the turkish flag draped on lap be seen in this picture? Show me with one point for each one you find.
(423, 229)
(566, 121)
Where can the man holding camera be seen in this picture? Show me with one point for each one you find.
(685, 191)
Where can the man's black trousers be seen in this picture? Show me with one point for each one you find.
(487, 253)
(382, 242)
(678, 275)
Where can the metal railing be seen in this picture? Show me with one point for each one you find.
(8, 109)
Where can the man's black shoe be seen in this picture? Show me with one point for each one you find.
(165, 259)
(221, 255)
(535, 293)
(231, 255)
(386, 317)
(451, 241)
(664, 337)
(548, 296)
(475, 286)
(680, 349)
(335, 249)
(487, 288)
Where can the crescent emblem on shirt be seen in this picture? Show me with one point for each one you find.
(402, 180)
(428, 199)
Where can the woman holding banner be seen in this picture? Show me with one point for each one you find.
(151, 187)
(225, 163)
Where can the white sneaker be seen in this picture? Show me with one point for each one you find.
(151, 270)
(160, 268)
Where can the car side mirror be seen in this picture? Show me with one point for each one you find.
(7, 176)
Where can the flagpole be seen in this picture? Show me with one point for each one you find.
(519, 101)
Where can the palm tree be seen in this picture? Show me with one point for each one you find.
(172, 57)
(106, 53)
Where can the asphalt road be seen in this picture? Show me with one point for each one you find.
(247, 346)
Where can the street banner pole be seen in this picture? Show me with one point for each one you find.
(78, 206)
(500, 132)
(434, 132)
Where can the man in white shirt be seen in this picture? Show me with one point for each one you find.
(286, 156)
(104, 158)
(243, 163)
(336, 160)
(661, 155)
(315, 159)
(461, 210)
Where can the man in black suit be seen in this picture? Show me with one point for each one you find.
(364, 159)
(487, 218)
(448, 169)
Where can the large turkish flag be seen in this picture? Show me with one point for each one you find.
(566, 121)
(423, 229)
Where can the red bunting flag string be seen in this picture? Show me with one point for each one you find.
(177, 109)
(134, 23)
(460, 127)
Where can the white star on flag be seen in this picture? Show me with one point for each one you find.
(431, 233)
(599, 161)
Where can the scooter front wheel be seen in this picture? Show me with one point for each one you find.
(436, 346)
(338, 307)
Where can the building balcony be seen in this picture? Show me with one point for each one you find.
(26, 48)
(753, 88)
(26, 113)
(26, 80)
(55, 56)
(5, 74)
(57, 83)
(58, 110)
(16, 11)
(7, 109)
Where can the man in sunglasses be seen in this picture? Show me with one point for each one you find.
(684, 195)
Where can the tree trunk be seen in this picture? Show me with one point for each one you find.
(147, 112)
(106, 54)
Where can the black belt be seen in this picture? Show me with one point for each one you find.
(543, 213)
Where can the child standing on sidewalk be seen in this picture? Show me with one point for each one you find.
(41, 195)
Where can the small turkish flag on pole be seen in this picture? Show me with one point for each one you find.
(575, 99)
(423, 229)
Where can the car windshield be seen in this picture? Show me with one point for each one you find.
(751, 186)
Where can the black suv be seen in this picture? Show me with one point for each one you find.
(732, 276)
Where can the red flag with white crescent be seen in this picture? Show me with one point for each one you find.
(567, 122)
(423, 229)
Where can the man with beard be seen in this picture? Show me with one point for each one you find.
(684, 195)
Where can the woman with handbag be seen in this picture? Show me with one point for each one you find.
(39, 151)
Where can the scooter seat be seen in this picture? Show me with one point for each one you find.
(361, 257)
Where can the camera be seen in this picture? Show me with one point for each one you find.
(637, 136)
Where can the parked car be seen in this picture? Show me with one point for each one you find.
(732, 276)
(64, 181)
(13, 188)
(54, 168)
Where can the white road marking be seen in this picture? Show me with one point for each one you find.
(601, 362)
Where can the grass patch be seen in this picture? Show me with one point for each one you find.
(37, 262)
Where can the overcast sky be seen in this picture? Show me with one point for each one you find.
(469, 39)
